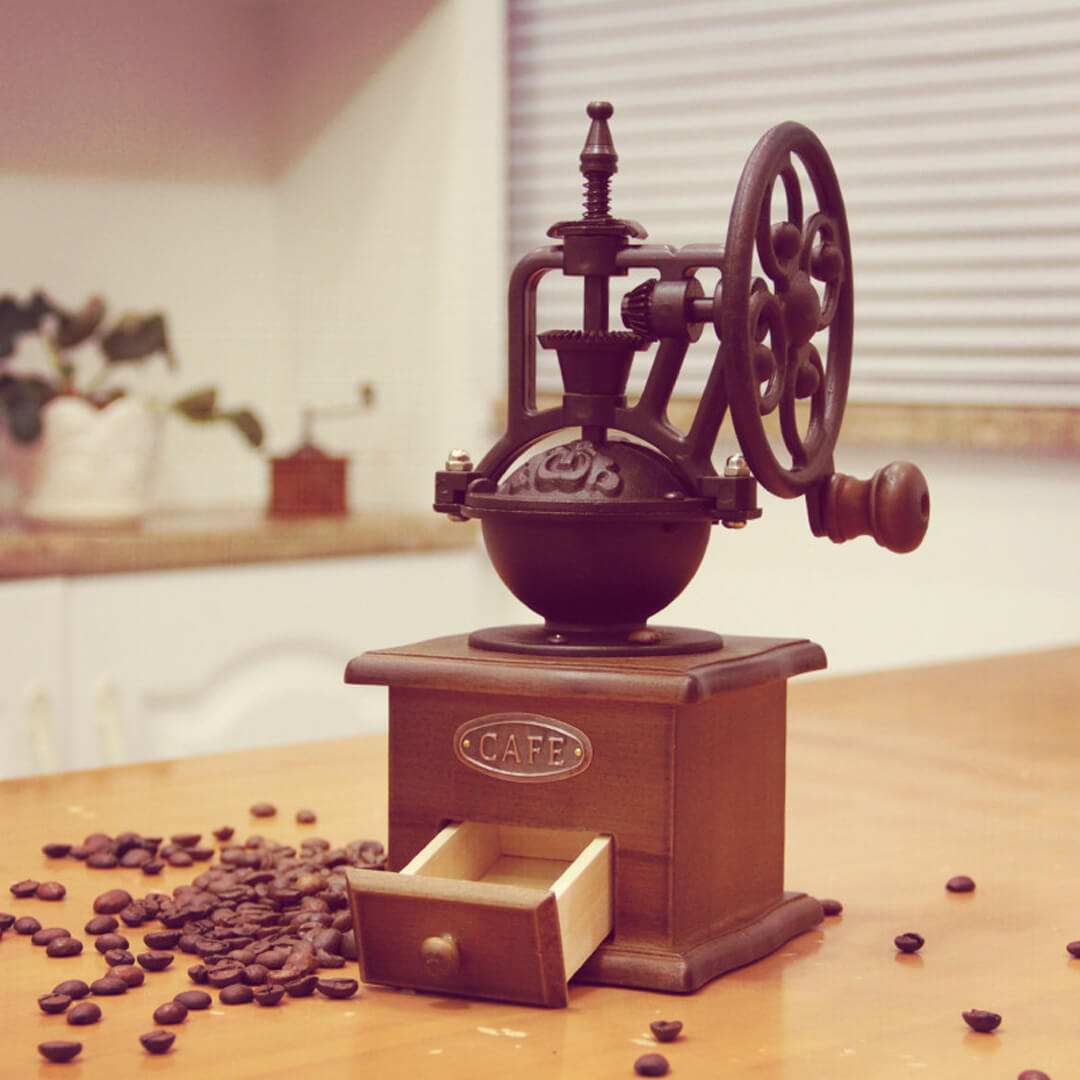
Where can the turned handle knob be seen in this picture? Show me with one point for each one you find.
(440, 955)
(893, 507)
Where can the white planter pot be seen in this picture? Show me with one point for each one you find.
(93, 466)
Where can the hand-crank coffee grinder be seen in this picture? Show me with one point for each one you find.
(597, 795)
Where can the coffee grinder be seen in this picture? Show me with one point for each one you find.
(595, 795)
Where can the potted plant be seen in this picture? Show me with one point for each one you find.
(83, 448)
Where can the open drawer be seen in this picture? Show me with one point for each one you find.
(494, 911)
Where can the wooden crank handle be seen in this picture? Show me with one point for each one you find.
(893, 507)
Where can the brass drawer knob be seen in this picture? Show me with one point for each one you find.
(440, 955)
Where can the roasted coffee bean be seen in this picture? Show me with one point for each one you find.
(6, 921)
(329, 960)
(102, 860)
(81, 851)
(47, 934)
(909, 942)
(84, 1012)
(155, 960)
(981, 1020)
(161, 939)
(111, 902)
(108, 986)
(304, 986)
(172, 1012)
(263, 809)
(153, 866)
(180, 857)
(273, 958)
(26, 924)
(59, 1049)
(73, 988)
(348, 945)
(22, 889)
(197, 973)
(225, 975)
(64, 946)
(118, 956)
(1073, 948)
(158, 1041)
(224, 834)
(98, 841)
(960, 883)
(268, 995)
(51, 890)
(186, 839)
(236, 994)
(201, 854)
(255, 974)
(337, 988)
(1033, 1074)
(136, 856)
(104, 942)
(53, 1003)
(194, 999)
(651, 1065)
(56, 851)
(102, 924)
(305, 817)
(665, 1030)
(132, 974)
(831, 907)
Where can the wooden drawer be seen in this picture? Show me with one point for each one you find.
(494, 911)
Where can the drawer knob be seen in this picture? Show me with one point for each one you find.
(440, 955)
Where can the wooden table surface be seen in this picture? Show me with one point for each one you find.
(896, 782)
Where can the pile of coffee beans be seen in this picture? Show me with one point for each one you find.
(264, 921)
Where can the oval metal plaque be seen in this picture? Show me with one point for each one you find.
(522, 747)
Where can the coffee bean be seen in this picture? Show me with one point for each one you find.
(263, 809)
(104, 942)
(44, 936)
(111, 902)
(158, 1041)
(198, 973)
(1073, 948)
(305, 817)
(153, 866)
(73, 988)
(909, 942)
(831, 907)
(348, 945)
(64, 946)
(137, 856)
(115, 957)
(22, 889)
(304, 986)
(201, 854)
(981, 1020)
(132, 974)
(172, 1012)
(102, 924)
(186, 839)
(268, 995)
(651, 1065)
(155, 961)
(102, 860)
(108, 986)
(665, 1030)
(337, 988)
(26, 924)
(255, 974)
(236, 994)
(960, 883)
(51, 890)
(1033, 1074)
(59, 1050)
(224, 833)
(194, 999)
(6, 921)
(56, 851)
(53, 1003)
(84, 1012)
(225, 975)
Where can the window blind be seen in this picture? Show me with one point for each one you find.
(953, 125)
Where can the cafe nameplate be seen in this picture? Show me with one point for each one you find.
(522, 747)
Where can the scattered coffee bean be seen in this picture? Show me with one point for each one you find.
(224, 833)
(153, 866)
(301, 987)
(155, 961)
(236, 994)
(104, 942)
(6, 921)
(1033, 1074)
(172, 1012)
(115, 957)
(960, 883)
(47, 934)
(102, 860)
(201, 854)
(981, 1020)
(132, 974)
(651, 1065)
(305, 817)
(255, 974)
(56, 851)
(26, 924)
(340, 988)
(73, 988)
(59, 1050)
(51, 890)
(194, 999)
(909, 942)
(158, 1041)
(225, 975)
(136, 856)
(268, 995)
(22, 889)
(161, 939)
(111, 902)
(1073, 948)
(64, 946)
(198, 973)
(84, 1012)
(53, 1003)
(831, 907)
(108, 986)
(665, 1030)
(102, 924)
(179, 857)
(186, 839)
(263, 809)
